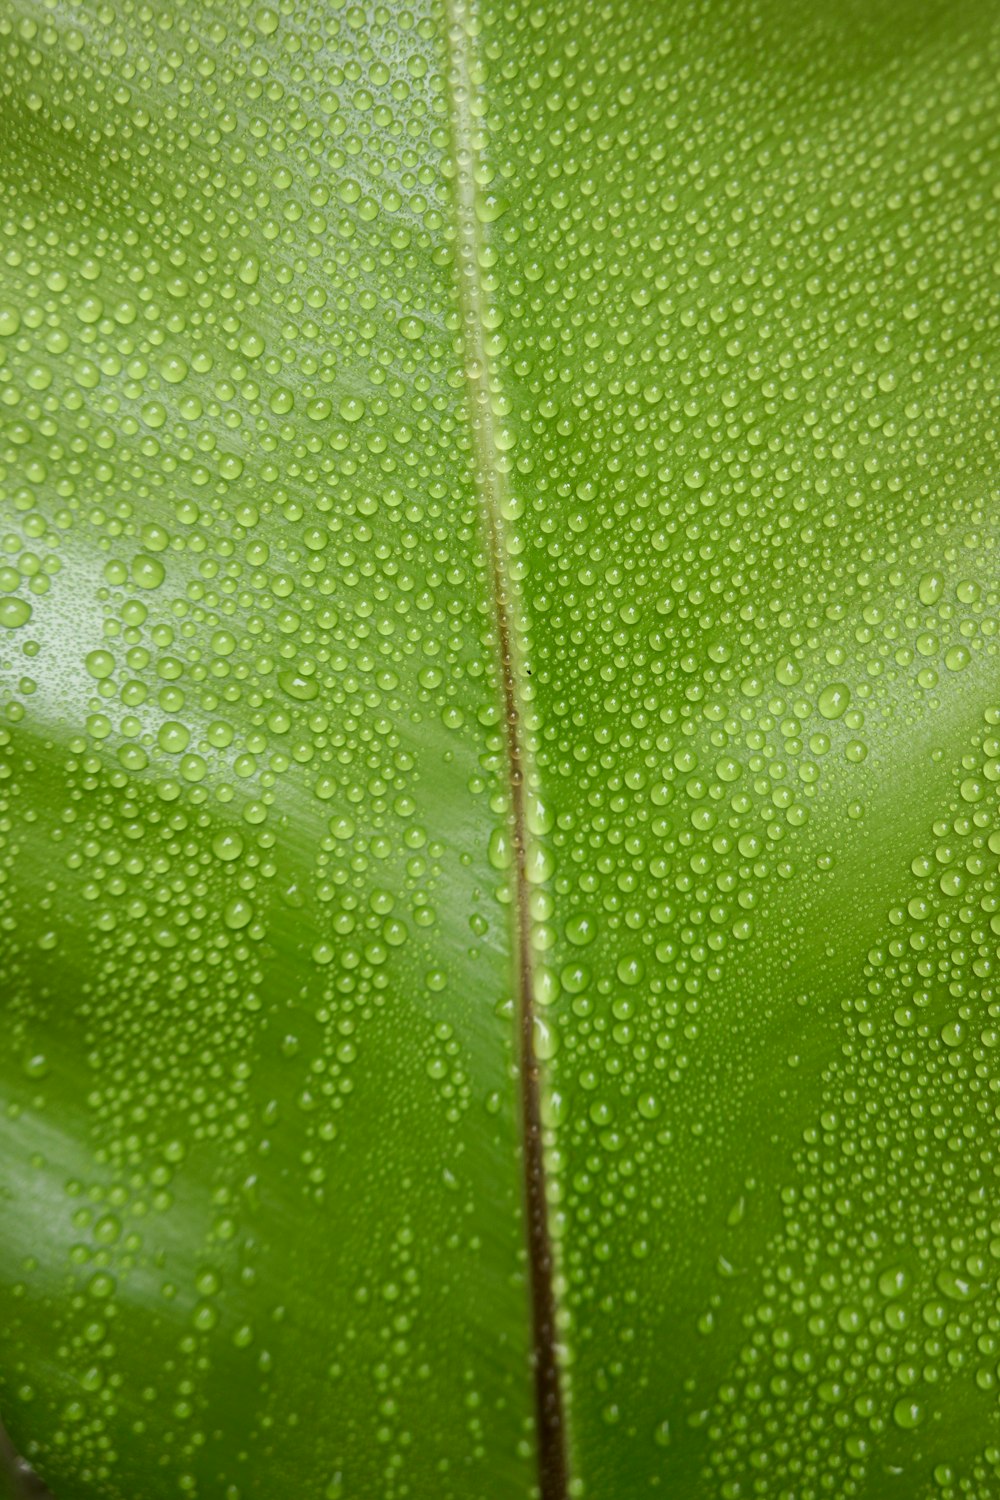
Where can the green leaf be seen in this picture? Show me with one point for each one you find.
(501, 744)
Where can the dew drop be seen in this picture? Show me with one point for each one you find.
(833, 700)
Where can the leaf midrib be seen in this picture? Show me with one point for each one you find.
(492, 486)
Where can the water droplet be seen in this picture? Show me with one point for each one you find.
(227, 845)
(14, 613)
(238, 913)
(833, 700)
(580, 930)
(298, 686)
(930, 588)
(908, 1413)
(147, 572)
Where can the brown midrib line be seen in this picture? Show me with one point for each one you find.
(492, 486)
(551, 1434)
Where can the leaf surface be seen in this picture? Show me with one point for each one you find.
(500, 536)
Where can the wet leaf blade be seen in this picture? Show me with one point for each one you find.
(711, 417)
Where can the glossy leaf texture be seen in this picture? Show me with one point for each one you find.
(332, 337)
